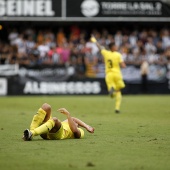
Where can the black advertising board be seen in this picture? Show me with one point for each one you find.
(84, 10)
(121, 8)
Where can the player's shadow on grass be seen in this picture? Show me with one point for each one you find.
(43, 140)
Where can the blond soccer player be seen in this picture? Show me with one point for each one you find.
(113, 76)
(52, 128)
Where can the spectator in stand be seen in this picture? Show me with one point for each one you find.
(133, 38)
(53, 57)
(80, 67)
(30, 44)
(40, 37)
(90, 60)
(118, 38)
(60, 37)
(13, 35)
(13, 56)
(165, 38)
(4, 53)
(93, 48)
(149, 46)
(43, 50)
(154, 34)
(143, 36)
(144, 69)
(159, 47)
(75, 34)
(65, 55)
(59, 51)
(167, 52)
(30, 47)
(49, 35)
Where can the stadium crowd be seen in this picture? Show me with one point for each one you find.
(33, 47)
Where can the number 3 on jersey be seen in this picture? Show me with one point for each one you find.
(110, 63)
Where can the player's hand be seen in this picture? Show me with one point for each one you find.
(90, 129)
(63, 111)
(93, 39)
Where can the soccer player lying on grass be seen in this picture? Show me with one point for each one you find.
(113, 64)
(52, 128)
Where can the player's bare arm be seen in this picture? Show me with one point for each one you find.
(84, 125)
(71, 122)
(123, 65)
(93, 39)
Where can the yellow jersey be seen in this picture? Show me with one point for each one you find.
(68, 134)
(112, 61)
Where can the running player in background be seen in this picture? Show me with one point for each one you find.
(113, 64)
(52, 128)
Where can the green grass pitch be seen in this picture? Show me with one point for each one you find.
(136, 139)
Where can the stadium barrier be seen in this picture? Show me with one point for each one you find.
(62, 80)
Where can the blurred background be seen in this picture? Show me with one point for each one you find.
(45, 47)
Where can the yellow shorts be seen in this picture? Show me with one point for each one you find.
(115, 81)
(58, 135)
(64, 133)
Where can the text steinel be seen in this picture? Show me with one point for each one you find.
(26, 8)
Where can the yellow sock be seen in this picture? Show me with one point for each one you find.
(118, 100)
(44, 128)
(38, 119)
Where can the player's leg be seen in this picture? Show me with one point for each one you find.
(43, 114)
(110, 84)
(54, 129)
(118, 95)
(57, 131)
(52, 126)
